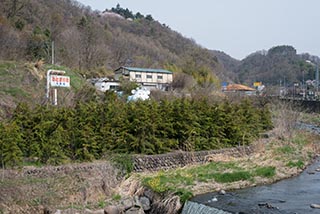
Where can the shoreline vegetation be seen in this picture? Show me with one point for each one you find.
(283, 154)
(273, 160)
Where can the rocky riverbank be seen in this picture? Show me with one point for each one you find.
(288, 158)
(296, 195)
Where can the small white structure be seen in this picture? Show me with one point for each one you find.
(139, 94)
(104, 84)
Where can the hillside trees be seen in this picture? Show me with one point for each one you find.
(39, 44)
(92, 44)
(282, 62)
(88, 41)
(12, 8)
(92, 129)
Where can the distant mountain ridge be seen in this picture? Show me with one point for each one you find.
(280, 64)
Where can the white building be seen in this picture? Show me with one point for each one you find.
(105, 84)
(146, 77)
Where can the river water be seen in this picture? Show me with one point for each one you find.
(294, 195)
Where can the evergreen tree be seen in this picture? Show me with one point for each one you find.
(54, 150)
(10, 138)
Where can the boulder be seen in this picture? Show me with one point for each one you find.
(135, 210)
(127, 203)
(87, 211)
(222, 192)
(315, 206)
(112, 210)
(137, 202)
(149, 194)
(145, 203)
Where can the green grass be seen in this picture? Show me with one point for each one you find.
(33, 163)
(266, 171)
(299, 164)
(15, 92)
(300, 140)
(5, 66)
(286, 150)
(181, 181)
(184, 194)
(232, 176)
(116, 197)
(102, 204)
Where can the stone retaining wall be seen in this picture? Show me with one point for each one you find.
(180, 159)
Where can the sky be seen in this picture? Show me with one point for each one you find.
(236, 27)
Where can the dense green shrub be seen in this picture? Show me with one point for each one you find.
(90, 130)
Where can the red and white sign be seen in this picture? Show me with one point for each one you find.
(59, 81)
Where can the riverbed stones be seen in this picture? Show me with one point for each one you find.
(222, 192)
(315, 206)
(214, 199)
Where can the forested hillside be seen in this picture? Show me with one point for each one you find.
(229, 64)
(95, 43)
(280, 63)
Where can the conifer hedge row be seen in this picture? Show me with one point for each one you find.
(93, 130)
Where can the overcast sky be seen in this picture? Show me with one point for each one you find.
(237, 27)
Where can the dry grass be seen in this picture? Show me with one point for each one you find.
(72, 186)
(285, 118)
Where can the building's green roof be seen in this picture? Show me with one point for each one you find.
(147, 70)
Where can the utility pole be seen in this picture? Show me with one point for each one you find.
(52, 52)
(317, 77)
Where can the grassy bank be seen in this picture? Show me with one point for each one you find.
(273, 160)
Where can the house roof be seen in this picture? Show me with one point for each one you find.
(238, 87)
(146, 70)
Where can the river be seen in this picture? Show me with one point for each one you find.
(294, 195)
